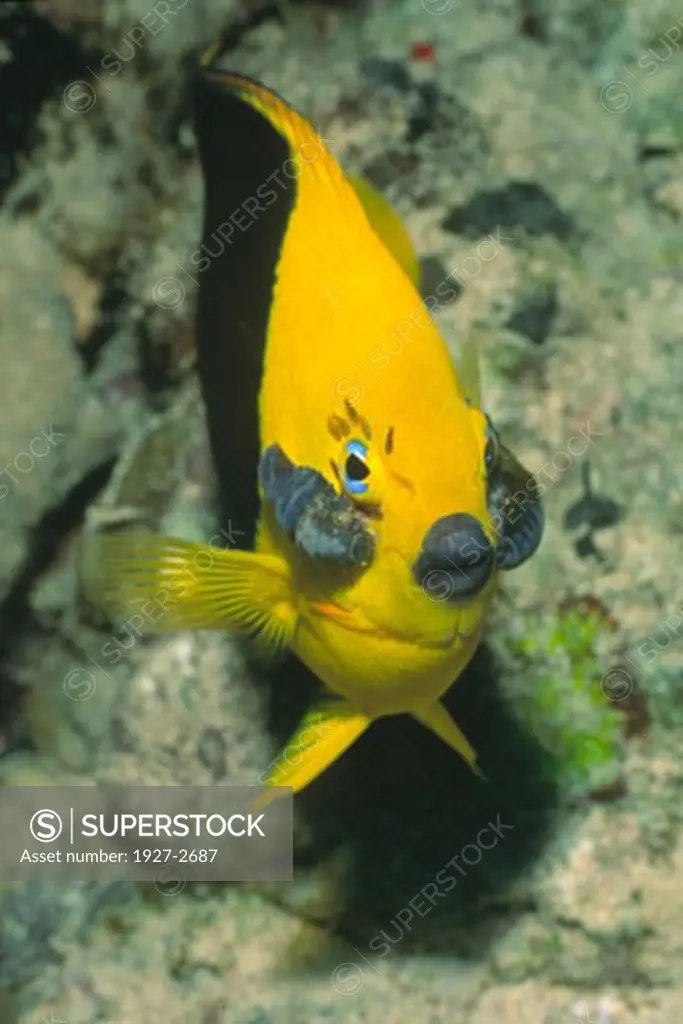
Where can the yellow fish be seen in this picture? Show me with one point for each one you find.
(372, 489)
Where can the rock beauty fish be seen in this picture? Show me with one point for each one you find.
(376, 514)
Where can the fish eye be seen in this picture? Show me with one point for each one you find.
(492, 449)
(356, 469)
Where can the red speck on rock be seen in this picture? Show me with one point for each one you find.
(422, 52)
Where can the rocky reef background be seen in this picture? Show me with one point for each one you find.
(535, 149)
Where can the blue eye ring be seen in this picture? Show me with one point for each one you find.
(356, 469)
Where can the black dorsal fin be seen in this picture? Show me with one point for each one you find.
(246, 213)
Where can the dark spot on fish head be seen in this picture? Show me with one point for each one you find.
(357, 420)
(337, 427)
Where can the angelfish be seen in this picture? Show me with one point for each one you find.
(375, 507)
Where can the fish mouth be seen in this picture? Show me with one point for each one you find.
(357, 622)
(456, 559)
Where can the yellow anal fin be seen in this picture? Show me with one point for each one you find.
(436, 717)
(173, 584)
(325, 732)
(389, 226)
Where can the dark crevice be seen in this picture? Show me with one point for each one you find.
(46, 537)
(585, 547)
(341, 5)
(387, 74)
(390, 166)
(44, 60)
(11, 724)
(597, 512)
(114, 295)
(423, 120)
(646, 153)
(519, 204)
(535, 317)
(594, 511)
(154, 361)
(532, 22)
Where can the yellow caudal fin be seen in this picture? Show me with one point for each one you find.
(436, 717)
(325, 732)
(389, 226)
(172, 584)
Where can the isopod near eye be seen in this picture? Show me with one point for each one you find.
(356, 470)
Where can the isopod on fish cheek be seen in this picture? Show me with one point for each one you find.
(515, 507)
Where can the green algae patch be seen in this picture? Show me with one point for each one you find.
(558, 692)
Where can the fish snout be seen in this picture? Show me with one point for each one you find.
(456, 559)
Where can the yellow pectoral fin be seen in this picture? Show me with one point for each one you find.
(389, 226)
(325, 732)
(175, 584)
(436, 717)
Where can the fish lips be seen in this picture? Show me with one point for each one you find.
(456, 559)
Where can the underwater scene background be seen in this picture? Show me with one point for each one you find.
(534, 149)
